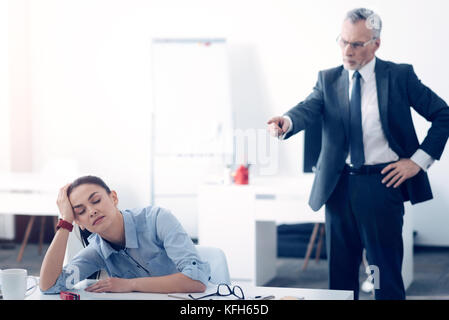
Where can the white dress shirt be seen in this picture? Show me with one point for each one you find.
(375, 145)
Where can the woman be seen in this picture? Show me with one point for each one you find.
(144, 250)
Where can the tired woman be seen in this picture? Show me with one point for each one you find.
(144, 250)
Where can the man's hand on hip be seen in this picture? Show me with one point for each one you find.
(399, 171)
(277, 126)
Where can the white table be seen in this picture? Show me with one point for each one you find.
(242, 220)
(249, 290)
(29, 194)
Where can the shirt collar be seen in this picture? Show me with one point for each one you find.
(367, 71)
(130, 236)
(130, 230)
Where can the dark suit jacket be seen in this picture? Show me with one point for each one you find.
(398, 89)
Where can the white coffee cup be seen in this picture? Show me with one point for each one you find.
(14, 284)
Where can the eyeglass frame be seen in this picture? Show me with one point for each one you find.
(354, 45)
(217, 293)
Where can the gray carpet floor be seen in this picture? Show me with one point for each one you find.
(431, 275)
(431, 271)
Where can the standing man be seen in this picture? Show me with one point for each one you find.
(370, 160)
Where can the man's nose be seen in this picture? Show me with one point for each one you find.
(348, 51)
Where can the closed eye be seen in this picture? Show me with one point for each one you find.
(80, 212)
(82, 208)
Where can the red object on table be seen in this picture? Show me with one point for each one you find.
(65, 295)
(241, 175)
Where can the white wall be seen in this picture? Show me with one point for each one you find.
(6, 222)
(91, 85)
(4, 90)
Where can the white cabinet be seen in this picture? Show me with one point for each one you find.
(242, 220)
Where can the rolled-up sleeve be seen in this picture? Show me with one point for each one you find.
(180, 248)
(84, 264)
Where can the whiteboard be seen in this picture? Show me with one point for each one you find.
(192, 122)
(192, 104)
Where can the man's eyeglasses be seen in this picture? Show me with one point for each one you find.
(354, 45)
(224, 290)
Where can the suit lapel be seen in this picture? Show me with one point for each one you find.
(342, 88)
(382, 83)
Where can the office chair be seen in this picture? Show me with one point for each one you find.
(219, 272)
(76, 242)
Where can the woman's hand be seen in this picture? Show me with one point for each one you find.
(64, 205)
(111, 285)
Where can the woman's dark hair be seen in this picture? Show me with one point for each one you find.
(87, 180)
(86, 233)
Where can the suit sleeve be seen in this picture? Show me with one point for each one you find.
(434, 109)
(308, 111)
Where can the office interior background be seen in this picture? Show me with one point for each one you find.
(77, 91)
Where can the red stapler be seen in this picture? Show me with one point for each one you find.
(65, 295)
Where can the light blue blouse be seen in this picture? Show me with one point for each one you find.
(156, 245)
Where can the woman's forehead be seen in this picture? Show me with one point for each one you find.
(84, 191)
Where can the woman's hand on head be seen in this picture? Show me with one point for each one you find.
(64, 205)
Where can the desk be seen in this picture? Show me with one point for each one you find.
(242, 220)
(29, 194)
(248, 289)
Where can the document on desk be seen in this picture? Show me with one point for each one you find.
(186, 297)
(86, 295)
(210, 295)
(107, 296)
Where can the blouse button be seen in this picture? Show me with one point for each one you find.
(194, 263)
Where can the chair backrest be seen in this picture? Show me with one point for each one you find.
(74, 245)
(219, 272)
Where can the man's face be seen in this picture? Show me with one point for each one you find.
(356, 58)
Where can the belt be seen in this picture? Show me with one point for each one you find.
(369, 169)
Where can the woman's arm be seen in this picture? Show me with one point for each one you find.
(53, 260)
(193, 273)
(54, 257)
(172, 283)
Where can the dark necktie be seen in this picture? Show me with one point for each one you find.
(356, 135)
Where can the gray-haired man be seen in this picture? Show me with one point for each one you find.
(370, 160)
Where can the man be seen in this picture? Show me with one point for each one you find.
(370, 160)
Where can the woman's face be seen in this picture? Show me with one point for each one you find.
(93, 207)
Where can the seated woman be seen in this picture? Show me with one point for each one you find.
(144, 250)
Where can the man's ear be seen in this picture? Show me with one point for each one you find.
(377, 43)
